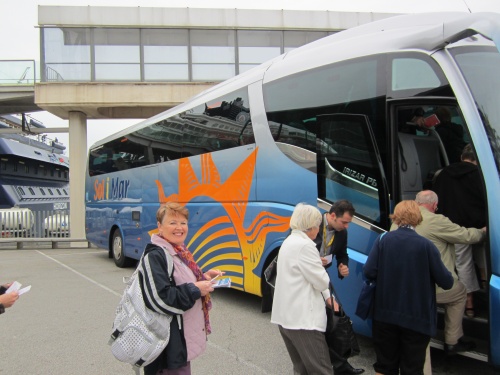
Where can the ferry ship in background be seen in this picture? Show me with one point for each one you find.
(34, 181)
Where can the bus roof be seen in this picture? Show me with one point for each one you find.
(423, 31)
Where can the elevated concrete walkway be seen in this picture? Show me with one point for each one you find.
(114, 99)
(17, 99)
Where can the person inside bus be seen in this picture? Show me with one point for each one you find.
(461, 182)
(332, 236)
(302, 277)
(451, 134)
(444, 234)
(120, 164)
(7, 299)
(406, 268)
(187, 298)
(107, 165)
(411, 120)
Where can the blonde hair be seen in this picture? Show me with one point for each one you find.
(305, 217)
(171, 209)
(406, 213)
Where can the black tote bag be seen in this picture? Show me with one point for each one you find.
(339, 333)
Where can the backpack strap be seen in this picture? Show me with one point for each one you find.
(170, 267)
(170, 263)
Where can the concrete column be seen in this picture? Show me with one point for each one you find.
(77, 168)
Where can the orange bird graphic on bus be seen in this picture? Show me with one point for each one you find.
(241, 247)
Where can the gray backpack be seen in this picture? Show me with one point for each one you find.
(139, 334)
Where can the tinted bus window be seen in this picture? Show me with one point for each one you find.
(348, 167)
(294, 104)
(218, 124)
(416, 74)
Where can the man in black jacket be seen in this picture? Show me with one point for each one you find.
(332, 240)
(462, 200)
(332, 236)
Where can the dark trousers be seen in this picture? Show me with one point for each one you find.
(308, 351)
(398, 349)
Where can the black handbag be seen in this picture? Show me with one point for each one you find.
(339, 333)
(366, 300)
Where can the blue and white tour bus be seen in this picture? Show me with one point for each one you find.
(330, 120)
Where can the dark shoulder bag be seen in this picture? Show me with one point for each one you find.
(339, 333)
(366, 300)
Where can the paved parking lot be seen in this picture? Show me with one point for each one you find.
(63, 324)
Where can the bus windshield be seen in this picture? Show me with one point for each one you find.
(481, 69)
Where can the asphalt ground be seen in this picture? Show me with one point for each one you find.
(62, 325)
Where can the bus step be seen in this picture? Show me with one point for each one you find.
(480, 353)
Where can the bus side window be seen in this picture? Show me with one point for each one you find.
(121, 164)
(219, 124)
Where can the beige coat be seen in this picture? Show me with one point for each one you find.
(445, 234)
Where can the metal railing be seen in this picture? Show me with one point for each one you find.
(52, 75)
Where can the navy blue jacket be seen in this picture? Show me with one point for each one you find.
(407, 268)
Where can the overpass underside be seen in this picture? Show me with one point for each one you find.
(114, 100)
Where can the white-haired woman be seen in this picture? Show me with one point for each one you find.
(300, 294)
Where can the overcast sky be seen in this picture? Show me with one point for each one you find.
(20, 37)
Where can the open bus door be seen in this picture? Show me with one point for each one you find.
(420, 156)
(350, 167)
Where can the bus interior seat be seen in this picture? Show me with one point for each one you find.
(419, 156)
(431, 179)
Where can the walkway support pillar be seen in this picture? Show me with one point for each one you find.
(77, 168)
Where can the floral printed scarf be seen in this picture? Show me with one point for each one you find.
(186, 256)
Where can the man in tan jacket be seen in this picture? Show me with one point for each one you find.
(445, 234)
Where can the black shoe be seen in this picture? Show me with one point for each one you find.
(347, 369)
(460, 346)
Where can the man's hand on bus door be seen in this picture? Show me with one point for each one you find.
(330, 301)
(343, 270)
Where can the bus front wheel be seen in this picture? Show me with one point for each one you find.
(117, 249)
(267, 290)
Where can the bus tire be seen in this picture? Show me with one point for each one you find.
(267, 297)
(117, 250)
(267, 290)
